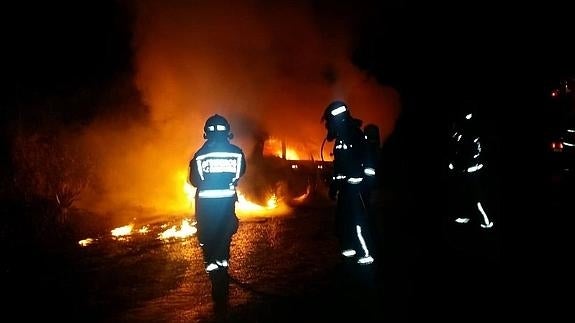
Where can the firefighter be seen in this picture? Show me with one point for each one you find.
(215, 171)
(351, 170)
(465, 168)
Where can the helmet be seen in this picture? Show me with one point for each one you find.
(218, 128)
(334, 116)
(468, 122)
(336, 111)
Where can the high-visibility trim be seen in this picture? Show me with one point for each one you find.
(369, 171)
(222, 263)
(348, 253)
(362, 241)
(237, 156)
(211, 267)
(354, 180)
(200, 170)
(338, 110)
(216, 193)
(366, 260)
(218, 127)
(474, 168)
(487, 223)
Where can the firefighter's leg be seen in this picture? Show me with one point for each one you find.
(463, 198)
(346, 226)
(219, 276)
(221, 252)
(209, 251)
(228, 225)
(486, 223)
(207, 234)
(362, 231)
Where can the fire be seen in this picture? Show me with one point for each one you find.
(123, 230)
(273, 206)
(276, 147)
(301, 198)
(245, 208)
(86, 242)
(272, 202)
(291, 154)
(186, 230)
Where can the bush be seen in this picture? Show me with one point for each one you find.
(52, 168)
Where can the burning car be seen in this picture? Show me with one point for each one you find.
(284, 172)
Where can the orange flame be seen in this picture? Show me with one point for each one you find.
(303, 197)
(186, 230)
(244, 208)
(86, 242)
(123, 230)
(275, 147)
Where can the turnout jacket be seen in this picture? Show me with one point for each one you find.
(216, 168)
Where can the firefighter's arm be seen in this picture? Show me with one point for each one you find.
(333, 189)
(193, 175)
(243, 165)
(336, 182)
(369, 160)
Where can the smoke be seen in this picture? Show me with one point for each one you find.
(269, 69)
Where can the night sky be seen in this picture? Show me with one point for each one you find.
(63, 50)
(67, 46)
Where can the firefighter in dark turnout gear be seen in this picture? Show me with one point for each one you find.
(466, 166)
(215, 171)
(351, 170)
